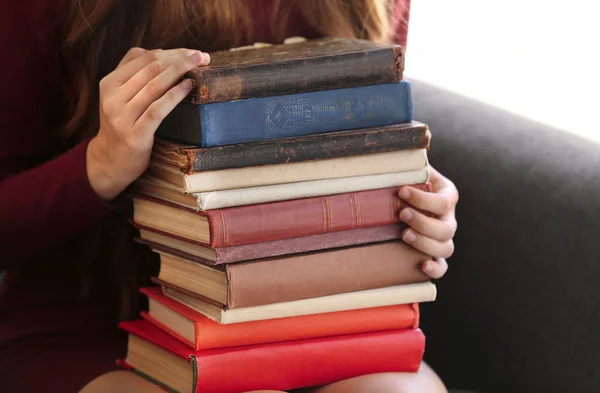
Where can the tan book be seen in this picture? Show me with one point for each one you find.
(161, 189)
(263, 175)
(388, 296)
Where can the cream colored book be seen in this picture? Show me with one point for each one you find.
(278, 192)
(263, 175)
(401, 294)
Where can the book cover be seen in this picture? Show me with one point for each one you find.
(299, 276)
(255, 176)
(292, 115)
(273, 221)
(320, 64)
(191, 159)
(279, 366)
(208, 334)
(212, 200)
(198, 252)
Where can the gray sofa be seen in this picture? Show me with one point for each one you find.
(519, 309)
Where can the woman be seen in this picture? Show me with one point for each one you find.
(86, 84)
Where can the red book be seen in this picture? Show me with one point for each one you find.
(279, 366)
(200, 332)
(273, 221)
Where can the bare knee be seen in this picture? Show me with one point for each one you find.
(425, 380)
(120, 382)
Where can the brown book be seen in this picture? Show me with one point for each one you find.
(191, 159)
(321, 64)
(299, 276)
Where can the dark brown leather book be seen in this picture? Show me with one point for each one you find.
(322, 64)
(191, 159)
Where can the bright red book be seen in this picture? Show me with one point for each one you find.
(159, 357)
(273, 221)
(200, 332)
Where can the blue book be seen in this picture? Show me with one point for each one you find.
(293, 115)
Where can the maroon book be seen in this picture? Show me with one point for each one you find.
(273, 221)
(172, 244)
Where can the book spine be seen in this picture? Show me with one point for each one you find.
(312, 188)
(267, 118)
(304, 217)
(318, 274)
(290, 77)
(323, 146)
(210, 334)
(323, 360)
(275, 248)
(322, 241)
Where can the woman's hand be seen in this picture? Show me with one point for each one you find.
(433, 236)
(134, 100)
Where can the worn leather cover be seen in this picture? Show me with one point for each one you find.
(328, 63)
(290, 364)
(292, 115)
(324, 273)
(302, 217)
(210, 334)
(245, 252)
(191, 159)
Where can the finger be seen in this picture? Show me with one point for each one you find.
(122, 74)
(438, 203)
(427, 245)
(439, 229)
(435, 268)
(131, 54)
(159, 85)
(149, 83)
(159, 109)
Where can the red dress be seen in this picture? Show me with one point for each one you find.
(50, 341)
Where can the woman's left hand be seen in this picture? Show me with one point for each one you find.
(431, 235)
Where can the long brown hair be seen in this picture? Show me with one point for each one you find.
(99, 33)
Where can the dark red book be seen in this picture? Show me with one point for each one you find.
(273, 221)
(199, 252)
(288, 365)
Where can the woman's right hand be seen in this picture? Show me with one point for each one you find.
(134, 99)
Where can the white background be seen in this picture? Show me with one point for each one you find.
(537, 58)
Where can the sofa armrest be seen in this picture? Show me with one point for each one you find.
(519, 309)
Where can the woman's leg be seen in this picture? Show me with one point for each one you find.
(425, 380)
(128, 382)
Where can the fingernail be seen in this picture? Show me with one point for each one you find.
(205, 58)
(404, 193)
(428, 268)
(406, 215)
(196, 57)
(409, 236)
(187, 84)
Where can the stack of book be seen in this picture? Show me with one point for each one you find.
(272, 199)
